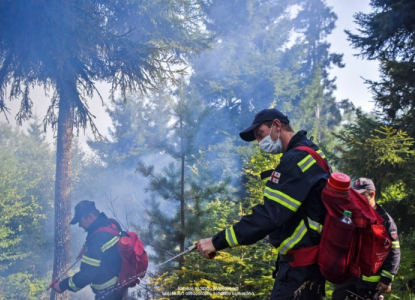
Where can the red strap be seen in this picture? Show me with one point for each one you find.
(316, 156)
(309, 255)
(108, 229)
(304, 257)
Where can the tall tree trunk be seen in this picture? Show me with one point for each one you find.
(67, 93)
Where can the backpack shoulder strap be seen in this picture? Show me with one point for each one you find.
(316, 156)
(266, 174)
(108, 229)
(115, 224)
(324, 165)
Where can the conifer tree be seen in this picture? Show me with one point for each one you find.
(387, 34)
(257, 65)
(184, 191)
(66, 46)
(370, 148)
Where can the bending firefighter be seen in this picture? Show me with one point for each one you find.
(381, 282)
(292, 214)
(101, 262)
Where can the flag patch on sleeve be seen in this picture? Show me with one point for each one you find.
(275, 177)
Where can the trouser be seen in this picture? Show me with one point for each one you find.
(363, 289)
(300, 283)
(112, 294)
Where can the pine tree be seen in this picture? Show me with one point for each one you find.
(177, 184)
(36, 131)
(255, 64)
(387, 34)
(316, 109)
(66, 46)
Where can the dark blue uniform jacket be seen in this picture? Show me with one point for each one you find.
(295, 185)
(101, 262)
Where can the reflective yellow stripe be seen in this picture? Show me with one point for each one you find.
(387, 274)
(396, 245)
(110, 243)
(72, 285)
(298, 234)
(105, 285)
(315, 225)
(371, 278)
(90, 261)
(290, 242)
(231, 237)
(306, 163)
(282, 199)
(321, 153)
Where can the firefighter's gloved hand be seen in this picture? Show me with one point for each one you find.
(205, 247)
(57, 288)
(384, 288)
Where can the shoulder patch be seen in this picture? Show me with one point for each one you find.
(394, 234)
(275, 177)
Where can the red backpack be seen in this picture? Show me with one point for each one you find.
(134, 258)
(346, 250)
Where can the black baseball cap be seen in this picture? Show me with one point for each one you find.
(82, 209)
(269, 114)
(363, 184)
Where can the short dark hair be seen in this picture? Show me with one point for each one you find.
(286, 127)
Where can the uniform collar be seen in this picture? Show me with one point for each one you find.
(101, 221)
(297, 139)
(379, 209)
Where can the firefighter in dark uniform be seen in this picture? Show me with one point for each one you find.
(292, 214)
(371, 287)
(101, 262)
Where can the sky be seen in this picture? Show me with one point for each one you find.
(350, 83)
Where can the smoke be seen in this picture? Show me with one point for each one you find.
(237, 57)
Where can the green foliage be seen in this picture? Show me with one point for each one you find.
(19, 286)
(254, 165)
(368, 148)
(26, 182)
(394, 192)
(403, 286)
(26, 168)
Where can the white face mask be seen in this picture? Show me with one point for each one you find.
(269, 146)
